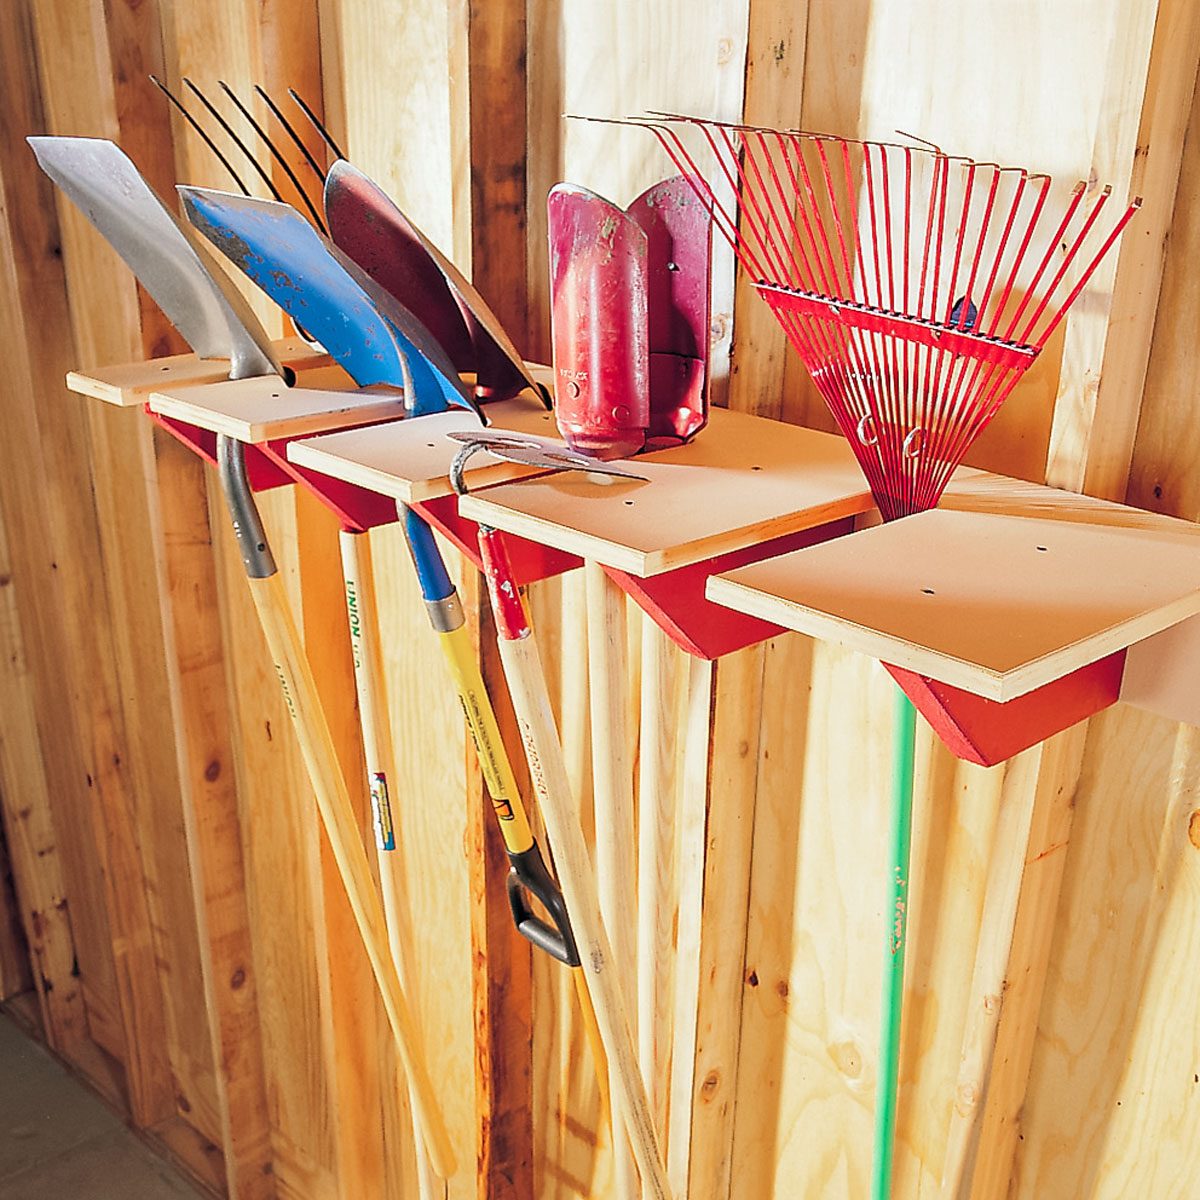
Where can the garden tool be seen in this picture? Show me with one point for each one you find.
(629, 293)
(630, 316)
(281, 257)
(531, 702)
(214, 320)
(917, 288)
(370, 229)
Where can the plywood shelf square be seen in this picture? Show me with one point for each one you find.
(265, 409)
(410, 460)
(745, 480)
(127, 385)
(1005, 588)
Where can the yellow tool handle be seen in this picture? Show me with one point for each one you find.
(489, 745)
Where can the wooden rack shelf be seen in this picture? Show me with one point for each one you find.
(127, 385)
(410, 460)
(1006, 588)
(265, 409)
(1005, 612)
(748, 487)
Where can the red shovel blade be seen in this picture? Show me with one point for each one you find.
(678, 230)
(366, 225)
(374, 234)
(599, 296)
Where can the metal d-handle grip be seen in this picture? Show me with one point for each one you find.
(528, 876)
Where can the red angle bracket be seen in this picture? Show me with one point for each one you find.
(988, 732)
(675, 600)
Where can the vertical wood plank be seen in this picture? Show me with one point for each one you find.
(115, 769)
(15, 975)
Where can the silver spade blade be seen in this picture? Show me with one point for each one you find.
(198, 300)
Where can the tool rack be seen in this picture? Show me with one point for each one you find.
(1008, 613)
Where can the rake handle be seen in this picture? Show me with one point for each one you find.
(531, 702)
(903, 754)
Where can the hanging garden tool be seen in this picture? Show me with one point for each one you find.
(297, 269)
(531, 702)
(629, 294)
(630, 319)
(367, 225)
(917, 288)
(215, 322)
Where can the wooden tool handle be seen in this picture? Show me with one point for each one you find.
(612, 803)
(337, 814)
(362, 612)
(1006, 873)
(522, 666)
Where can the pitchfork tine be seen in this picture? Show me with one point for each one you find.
(287, 169)
(237, 141)
(318, 170)
(202, 133)
(316, 123)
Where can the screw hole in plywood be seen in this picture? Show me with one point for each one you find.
(928, 591)
(1042, 548)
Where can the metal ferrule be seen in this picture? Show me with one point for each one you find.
(446, 615)
(247, 524)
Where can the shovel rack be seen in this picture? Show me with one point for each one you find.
(1007, 614)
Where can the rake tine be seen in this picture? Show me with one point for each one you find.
(202, 133)
(220, 120)
(317, 124)
(318, 170)
(287, 169)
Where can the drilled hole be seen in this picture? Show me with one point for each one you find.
(928, 591)
(630, 502)
(1042, 548)
(164, 368)
(756, 468)
(431, 445)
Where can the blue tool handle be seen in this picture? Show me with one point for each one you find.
(427, 558)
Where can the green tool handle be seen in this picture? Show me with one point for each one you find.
(903, 750)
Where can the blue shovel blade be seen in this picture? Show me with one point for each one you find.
(327, 295)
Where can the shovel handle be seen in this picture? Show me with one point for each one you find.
(527, 684)
(527, 877)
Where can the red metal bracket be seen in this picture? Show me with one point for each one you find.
(260, 470)
(675, 600)
(987, 732)
(267, 466)
(530, 561)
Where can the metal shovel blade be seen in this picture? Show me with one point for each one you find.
(371, 231)
(598, 295)
(367, 331)
(678, 228)
(206, 308)
(368, 225)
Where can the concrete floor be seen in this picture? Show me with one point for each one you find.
(59, 1142)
